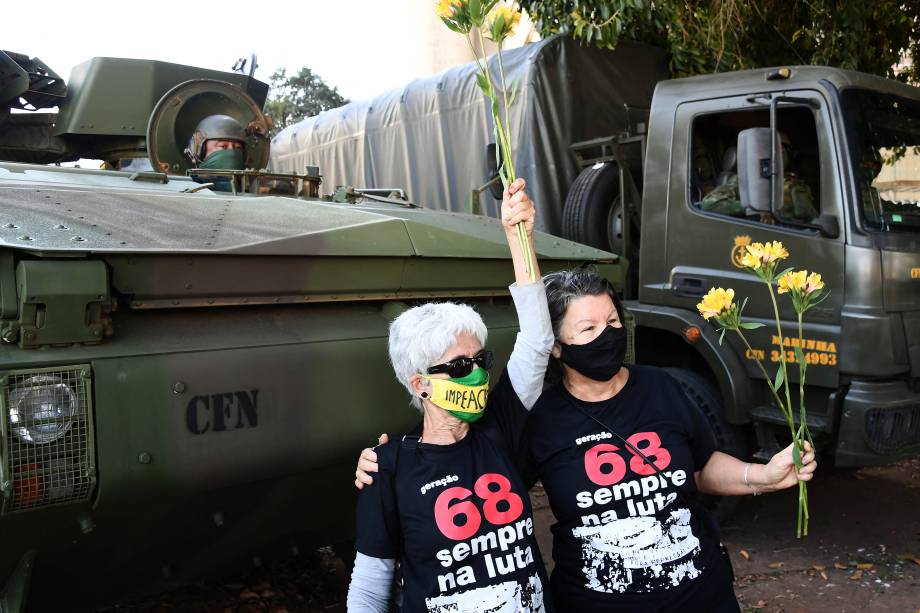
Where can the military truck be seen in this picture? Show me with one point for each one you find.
(186, 375)
(620, 157)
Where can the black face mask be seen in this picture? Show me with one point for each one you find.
(600, 359)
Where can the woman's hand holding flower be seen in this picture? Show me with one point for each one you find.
(517, 207)
(779, 473)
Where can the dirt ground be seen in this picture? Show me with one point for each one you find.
(862, 554)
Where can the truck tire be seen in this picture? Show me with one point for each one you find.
(729, 438)
(586, 214)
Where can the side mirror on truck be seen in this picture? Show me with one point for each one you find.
(755, 171)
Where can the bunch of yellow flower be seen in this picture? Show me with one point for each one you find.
(792, 281)
(457, 15)
(446, 8)
(803, 287)
(716, 302)
(501, 21)
(762, 258)
(806, 290)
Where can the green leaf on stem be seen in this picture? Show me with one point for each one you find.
(800, 358)
(514, 91)
(780, 376)
(817, 298)
(476, 13)
(452, 25)
(498, 27)
(790, 269)
(751, 325)
(483, 84)
(796, 455)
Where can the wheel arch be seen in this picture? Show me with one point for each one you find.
(660, 342)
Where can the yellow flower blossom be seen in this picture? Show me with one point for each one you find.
(814, 283)
(792, 281)
(446, 8)
(716, 302)
(501, 21)
(761, 255)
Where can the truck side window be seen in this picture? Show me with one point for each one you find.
(714, 173)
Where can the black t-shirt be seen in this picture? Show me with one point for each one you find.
(458, 517)
(624, 540)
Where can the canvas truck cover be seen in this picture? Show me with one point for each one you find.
(430, 137)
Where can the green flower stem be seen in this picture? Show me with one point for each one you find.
(782, 351)
(803, 417)
(509, 159)
(765, 374)
(504, 159)
(802, 413)
(501, 72)
(802, 511)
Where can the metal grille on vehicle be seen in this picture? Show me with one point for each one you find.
(48, 455)
(890, 430)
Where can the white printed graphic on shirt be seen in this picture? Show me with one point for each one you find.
(507, 597)
(638, 553)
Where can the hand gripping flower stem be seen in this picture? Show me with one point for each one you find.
(801, 524)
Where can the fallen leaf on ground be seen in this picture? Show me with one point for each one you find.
(856, 576)
(248, 594)
(745, 554)
(865, 566)
(840, 566)
(912, 558)
(775, 565)
(824, 575)
(762, 603)
(819, 567)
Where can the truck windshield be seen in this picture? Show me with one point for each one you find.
(884, 135)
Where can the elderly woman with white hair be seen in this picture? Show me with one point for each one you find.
(448, 510)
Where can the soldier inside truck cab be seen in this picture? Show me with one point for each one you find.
(723, 197)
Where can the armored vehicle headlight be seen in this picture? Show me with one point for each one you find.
(42, 409)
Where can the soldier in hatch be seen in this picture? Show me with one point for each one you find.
(218, 143)
(798, 202)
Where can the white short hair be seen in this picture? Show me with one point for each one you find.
(422, 334)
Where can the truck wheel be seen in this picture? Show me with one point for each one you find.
(586, 215)
(729, 438)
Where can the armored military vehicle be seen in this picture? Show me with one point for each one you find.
(186, 375)
(619, 157)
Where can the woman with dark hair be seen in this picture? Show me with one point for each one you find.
(622, 455)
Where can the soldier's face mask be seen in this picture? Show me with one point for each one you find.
(463, 397)
(224, 159)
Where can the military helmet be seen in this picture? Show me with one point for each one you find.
(213, 127)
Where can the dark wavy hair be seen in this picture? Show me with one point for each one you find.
(565, 286)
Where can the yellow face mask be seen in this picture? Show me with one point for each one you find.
(465, 397)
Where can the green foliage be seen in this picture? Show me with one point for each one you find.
(294, 97)
(719, 35)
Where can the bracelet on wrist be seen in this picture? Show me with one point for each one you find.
(747, 467)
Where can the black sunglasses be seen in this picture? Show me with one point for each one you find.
(461, 367)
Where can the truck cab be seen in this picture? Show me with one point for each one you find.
(850, 210)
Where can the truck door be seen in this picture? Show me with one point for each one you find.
(707, 229)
